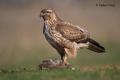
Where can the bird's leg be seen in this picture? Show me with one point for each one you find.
(72, 51)
(64, 60)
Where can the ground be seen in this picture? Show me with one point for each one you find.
(88, 66)
(104, 72)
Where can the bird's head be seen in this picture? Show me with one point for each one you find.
(47, 14)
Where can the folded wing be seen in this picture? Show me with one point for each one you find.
(72, 32)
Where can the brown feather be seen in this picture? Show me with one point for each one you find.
(72, 32)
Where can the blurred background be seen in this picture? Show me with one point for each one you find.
(22, 42)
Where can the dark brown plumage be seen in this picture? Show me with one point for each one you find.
(65, 37)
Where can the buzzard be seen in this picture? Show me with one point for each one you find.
(65, 37)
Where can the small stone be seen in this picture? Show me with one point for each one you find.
(72, 68)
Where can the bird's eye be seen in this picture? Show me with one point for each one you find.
(48, 12)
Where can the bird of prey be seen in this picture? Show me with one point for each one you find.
(65, 37)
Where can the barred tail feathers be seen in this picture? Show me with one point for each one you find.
(95, 46)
